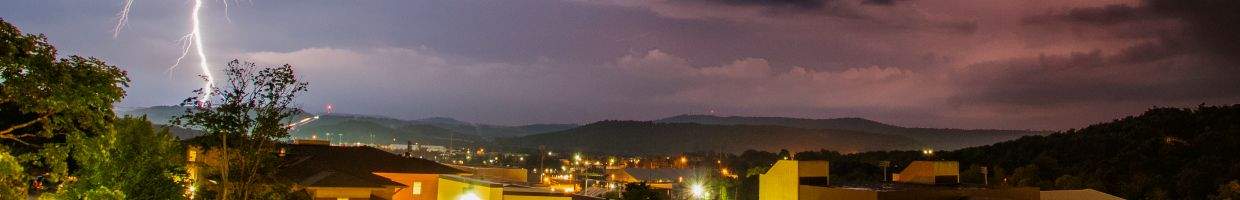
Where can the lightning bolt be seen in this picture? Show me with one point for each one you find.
(122, 18)
(192, 39)
(202, 54)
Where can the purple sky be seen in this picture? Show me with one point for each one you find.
(1036, 64)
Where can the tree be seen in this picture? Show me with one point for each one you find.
(640, 191)
(247, 117)
(142, 164)
(1069, 182)
(1026, 176)
(49, 106)
(1228, 191)
(11, 181)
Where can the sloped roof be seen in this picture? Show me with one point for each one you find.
(331, 178)
(337, 166)
(670, 174)
(362, 159)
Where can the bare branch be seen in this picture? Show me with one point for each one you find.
(6, 133)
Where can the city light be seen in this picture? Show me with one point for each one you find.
(697, 190)
(469, 195)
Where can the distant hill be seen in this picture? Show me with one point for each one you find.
(636, 137)
(496, 131)
(155, 114)
(358, 128)
(362, 130)
(1165, 153)
(945, 139)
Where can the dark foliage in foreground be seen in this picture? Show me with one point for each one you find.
(1165, 153)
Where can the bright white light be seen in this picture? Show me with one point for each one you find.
(122, 18)
(697, 190)
(202, 54)
(469, 196)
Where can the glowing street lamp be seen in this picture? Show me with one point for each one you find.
(469, 195)
(697, 190)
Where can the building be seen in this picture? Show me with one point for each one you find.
(500, 174)
(1085, 194)
(659, 178)
(783, 181)
(921, 180)
(930, 172)
(360, 172)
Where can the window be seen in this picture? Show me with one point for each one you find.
(417, 188)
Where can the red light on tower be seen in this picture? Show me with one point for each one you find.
(329, 108)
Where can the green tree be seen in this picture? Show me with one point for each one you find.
(640, 191)
(1228, 191)
(1069, 182)
(49, 107)
(246, 118)
(1026, 176)
(11, 181)
(142, 164)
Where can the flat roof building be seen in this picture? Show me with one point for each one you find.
(783, 181)
(930, 172)
(921, 180)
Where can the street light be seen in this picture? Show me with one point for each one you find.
(697, 190)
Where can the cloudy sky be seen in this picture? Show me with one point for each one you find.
(1012, 64)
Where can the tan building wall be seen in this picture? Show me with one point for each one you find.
(449, 189)
(502, 174)
(926, 172)
(826, 193)
(829, 193)
(782, 181)
(1086, 194)
(347, 192)
(427, 182)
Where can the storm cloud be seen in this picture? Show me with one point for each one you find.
(1052, 64)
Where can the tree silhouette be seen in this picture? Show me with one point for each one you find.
(247, 116)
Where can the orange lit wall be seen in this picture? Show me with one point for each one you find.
(429, 185)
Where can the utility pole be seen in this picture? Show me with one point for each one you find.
(542, 154)
(884, 164)
(985, 176)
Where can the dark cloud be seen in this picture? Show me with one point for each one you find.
(880, 2)
(1216, 23)
(1107, 15)
(1163, 71)
(802, 4)
(1213, 25)
(948, 63)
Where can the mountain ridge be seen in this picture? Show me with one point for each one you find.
(647, 137)
(937, 138)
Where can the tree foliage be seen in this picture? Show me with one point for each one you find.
(51, 108)
(1164, 153)
(141, 163)
(641, 191)
(245, 118)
